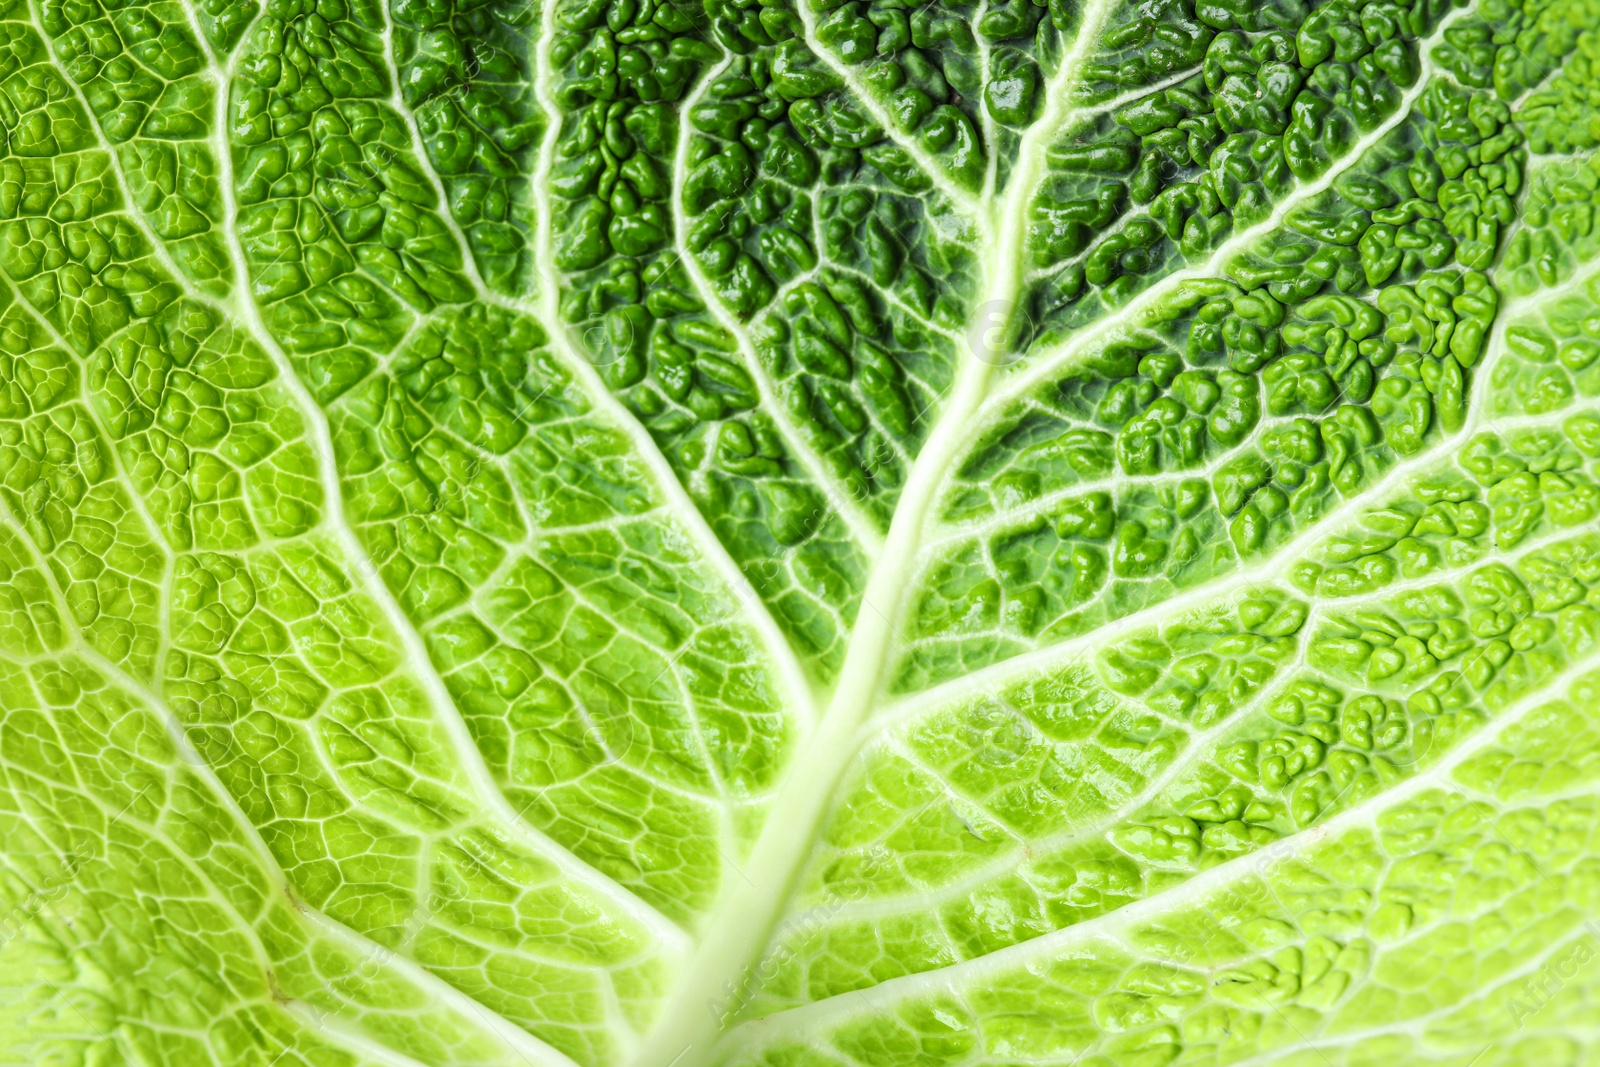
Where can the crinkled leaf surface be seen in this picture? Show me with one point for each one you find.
(799, 533)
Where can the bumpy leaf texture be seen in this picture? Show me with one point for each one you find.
(799, 533)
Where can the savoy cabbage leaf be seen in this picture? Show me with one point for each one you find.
(799, 533)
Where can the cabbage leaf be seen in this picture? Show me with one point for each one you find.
(799, 533)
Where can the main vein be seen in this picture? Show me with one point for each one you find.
(738, 930)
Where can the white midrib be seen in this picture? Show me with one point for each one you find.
(868, 647)
(1034, 663)
(739, 926)
(737, 929)
(1269, 579)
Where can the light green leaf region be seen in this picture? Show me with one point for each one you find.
(799, 533)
